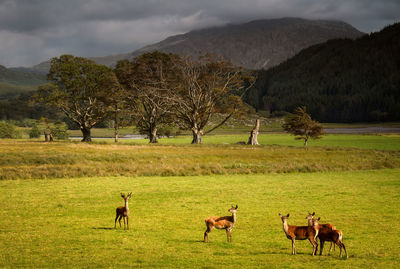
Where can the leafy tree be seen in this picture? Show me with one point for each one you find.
(59, 131)
(34, 132)
(8, 130)
(301, 125)
(149, 80)
(79, 88)
(208, 86)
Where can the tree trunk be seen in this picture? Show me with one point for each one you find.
(153, 135)
(86, 134)
(116, 126)
(254, 134)
(305, 142)
(197, 136)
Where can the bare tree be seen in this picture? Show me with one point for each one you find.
(150, 78)
(208, 86)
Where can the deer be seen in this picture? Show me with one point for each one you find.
(226, 222)
(123, 212)
(331, 235)
(310, 218)
(301, 233)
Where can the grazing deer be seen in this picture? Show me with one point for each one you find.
(226, 223)
(300, 233)
(123, 212)
(330, 235)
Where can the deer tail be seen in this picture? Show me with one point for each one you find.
(340, 237)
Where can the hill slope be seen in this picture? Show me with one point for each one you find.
(341, 80)
(254, 45)
(14, 81)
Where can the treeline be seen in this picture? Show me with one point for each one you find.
(154, 90)
(340, 80)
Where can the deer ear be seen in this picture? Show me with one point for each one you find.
(280, 215)
(236, 207)
(122, 195)
(287, 215)
(319, 218)
(313, 213)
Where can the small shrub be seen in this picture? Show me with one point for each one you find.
(8, 130)
(34, 132)
(59, 131)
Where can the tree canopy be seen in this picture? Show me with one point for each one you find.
(80, 88)
(208, 86)
(302, 126)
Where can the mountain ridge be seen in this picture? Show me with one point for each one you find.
(255, 44)
(340, 80)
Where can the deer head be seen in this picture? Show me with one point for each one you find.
(126, 197)
(233, 209)
(284, 218)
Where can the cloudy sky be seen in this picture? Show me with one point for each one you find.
(32, 31)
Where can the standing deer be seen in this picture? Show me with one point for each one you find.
(331, 235)
(123, 212)
(300, 233)
(226, 223)
(310, 218)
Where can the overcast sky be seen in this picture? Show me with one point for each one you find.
(32, 31)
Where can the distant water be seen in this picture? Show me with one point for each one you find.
(365, 130)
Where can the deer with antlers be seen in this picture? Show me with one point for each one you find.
(226, 222)
(328, 232)
(123, 212)
(300, 233)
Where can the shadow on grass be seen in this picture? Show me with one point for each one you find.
(102, 228)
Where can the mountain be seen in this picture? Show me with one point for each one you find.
(254, 45)
(341, 80)
(14, 81)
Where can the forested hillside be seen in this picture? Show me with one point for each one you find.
(14, 82)
(341, 80)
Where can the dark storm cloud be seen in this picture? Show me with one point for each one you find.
(35, 30)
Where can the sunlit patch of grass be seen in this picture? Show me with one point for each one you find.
(68, 223)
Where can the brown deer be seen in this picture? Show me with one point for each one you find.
(310, 218)
(330, 235)
(300, 233)
(226, 223)
(123, 212)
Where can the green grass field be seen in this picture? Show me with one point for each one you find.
(58, 200)
(23, 159)
(69, 222)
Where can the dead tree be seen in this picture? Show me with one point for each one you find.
(254, 134)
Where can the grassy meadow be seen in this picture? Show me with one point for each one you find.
(58, 201)
(69, 222)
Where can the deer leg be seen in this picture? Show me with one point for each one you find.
(119, 220)
(124, 223)
(293, 247)
(115, 222)
(206, 239)
(330, 248)
(314, 245)
(322, 242)
(345, 251)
